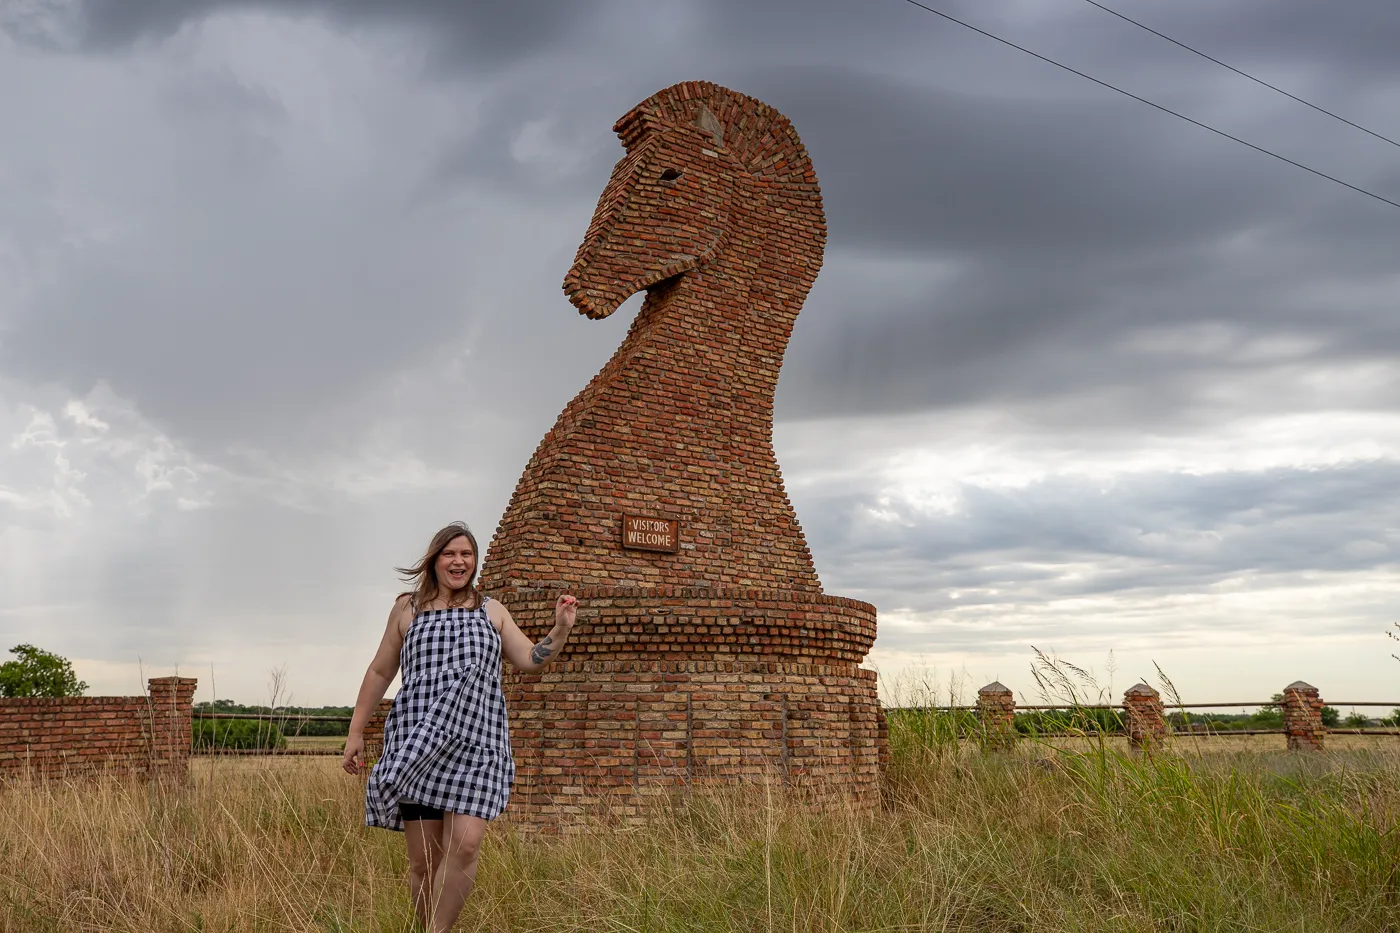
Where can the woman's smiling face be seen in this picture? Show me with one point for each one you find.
(455, 563)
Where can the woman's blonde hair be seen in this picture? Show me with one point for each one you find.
(423, 574)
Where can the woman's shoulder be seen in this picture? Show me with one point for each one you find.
(405, 608)
(495, 609)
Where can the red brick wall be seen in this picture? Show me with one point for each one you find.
(715, 210)
(63, 736)
(374, 733)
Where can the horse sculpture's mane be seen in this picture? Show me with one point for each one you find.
(760, 138)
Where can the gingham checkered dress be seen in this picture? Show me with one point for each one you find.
(446, 738)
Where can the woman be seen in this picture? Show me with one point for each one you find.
(446, 768)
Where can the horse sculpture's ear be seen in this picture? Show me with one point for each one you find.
(710, 124)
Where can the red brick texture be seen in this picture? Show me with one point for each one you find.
(1143, 716)
(715, 211)
(374, 733)
(70, 736)
(996, 715)
(678, 424)
(1302, 717)
(598, 738)
(679, 623)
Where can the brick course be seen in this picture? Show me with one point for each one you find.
(716, 212)
(69, 736)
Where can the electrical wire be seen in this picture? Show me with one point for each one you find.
(1244, 74)
(1156, 106)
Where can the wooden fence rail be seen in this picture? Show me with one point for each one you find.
(1144, 720)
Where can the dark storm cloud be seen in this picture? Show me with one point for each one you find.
(1289, 36)
(542, 146)
(914, 169)
(1108, 341)
(1070, 221)
(1068, 226)
(1070, 537)
(477, 34)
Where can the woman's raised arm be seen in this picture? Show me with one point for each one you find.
(526, 655)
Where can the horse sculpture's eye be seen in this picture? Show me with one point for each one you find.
(670, 174)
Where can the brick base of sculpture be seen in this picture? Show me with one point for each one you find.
(679, 687)
(706, 650)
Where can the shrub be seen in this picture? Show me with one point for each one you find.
(237, 734)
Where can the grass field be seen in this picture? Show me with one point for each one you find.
(1075, 837)
(319, 742)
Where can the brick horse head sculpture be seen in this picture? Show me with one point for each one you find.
(714, 210)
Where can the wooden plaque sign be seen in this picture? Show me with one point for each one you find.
(650, 534)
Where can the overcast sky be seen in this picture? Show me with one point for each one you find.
(280, 296)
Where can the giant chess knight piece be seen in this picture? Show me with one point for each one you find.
(657, 497)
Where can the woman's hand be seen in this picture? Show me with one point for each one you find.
(354, 754)
(565, 612)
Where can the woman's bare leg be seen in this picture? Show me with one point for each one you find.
(424, 838)
(461, 846)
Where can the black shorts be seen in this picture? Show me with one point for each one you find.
(408, 812)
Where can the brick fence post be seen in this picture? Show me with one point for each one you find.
(1143, 716)
(996, 713)
(374, 733)
(169, 711)
(1302, 717)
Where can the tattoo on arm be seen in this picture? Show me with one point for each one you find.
(541, 652)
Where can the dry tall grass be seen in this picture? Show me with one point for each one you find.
(1041, 839)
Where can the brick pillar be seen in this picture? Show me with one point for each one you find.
(374, 733)
(1302, 717)
(169, 710)
(996, 713)
(1143, 715)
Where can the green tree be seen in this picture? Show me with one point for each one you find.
(38, 673)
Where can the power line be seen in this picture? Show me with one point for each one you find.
(1156, 106)
(1244, 74)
